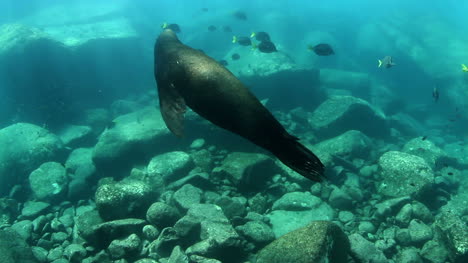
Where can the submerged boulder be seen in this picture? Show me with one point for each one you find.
(24, 147)
(134, 136)
(404, 174)
(320, 241)
(339, 114)
(49, 182)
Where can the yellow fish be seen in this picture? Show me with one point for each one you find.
(464, 68)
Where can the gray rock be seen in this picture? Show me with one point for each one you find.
(200, 259)
(60, 260)
(106, 232)
(455, 232)
(366, 227)
(74, 135)
(249, 170)
(365, 251)
(55, 254)
(403, 237)
(434, 252)
(59, 237)
(127, 247)
(187, 196)
(404, 174)
(217, 233)
(283, 221)
(409, 255)
(167, 240)
(67, 220)
(351, 143)
(40, 254)
(405, 215)
(146, 260)
(170, 166)
(23, 228)
(257, 232)
(258, 203)
(340, 199)
(320, 241)
(49, 182)
(178, 256)
(297, 201)
(134, 196)
(162, 215)
(203, 160)
(75, 252)
(27, 147)
(150, 232)
(433, 155)
(419, 232)
(339, 114)
(143, 131)
(232, 207)
(85, 225)
(33, 209)
(346, 216)
(422, 212)
(390, 206)
(198, 143)
(80, 163)
(13, 249)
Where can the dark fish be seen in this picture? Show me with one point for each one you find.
(267, 47)
(235, 56)
(204, 9)
(450, 173)
(243, 41)
(261, 36)
(423, 138)
(227, 29)
(240, 15)
(386, 62)
(435, 94)
(223, 62)
(211, 28)
(322, 49)
(173, 27)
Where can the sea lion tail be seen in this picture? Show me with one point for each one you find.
(300, 159)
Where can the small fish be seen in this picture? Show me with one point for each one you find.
(464, 68)
(322, 49)
(240, 15)
(204, 9)
(435, 94)
(266, 47)
(424, 138)
(386, 62)
(235, 56)
(173, 27)
(227, 29)
(212, 28)
(449, 173)
(260, 36)
(223, 62)
(243, 41)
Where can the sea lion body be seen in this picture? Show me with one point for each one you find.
(188, 77)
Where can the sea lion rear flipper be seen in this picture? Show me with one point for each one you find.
(300, 159)
(172, 108)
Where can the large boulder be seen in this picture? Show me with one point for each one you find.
(49, 182)
(404, 175)
(339, 114)
(125, 199)
(134, 136)
(297, 209)
(13, 249)
(320, 241)
(25, 147)
(171, 166)
(246, 170)
(431, 153)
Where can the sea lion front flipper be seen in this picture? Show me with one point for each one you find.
(172, 108)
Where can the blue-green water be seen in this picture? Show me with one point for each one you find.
(83, 143)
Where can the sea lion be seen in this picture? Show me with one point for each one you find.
(188, 77)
